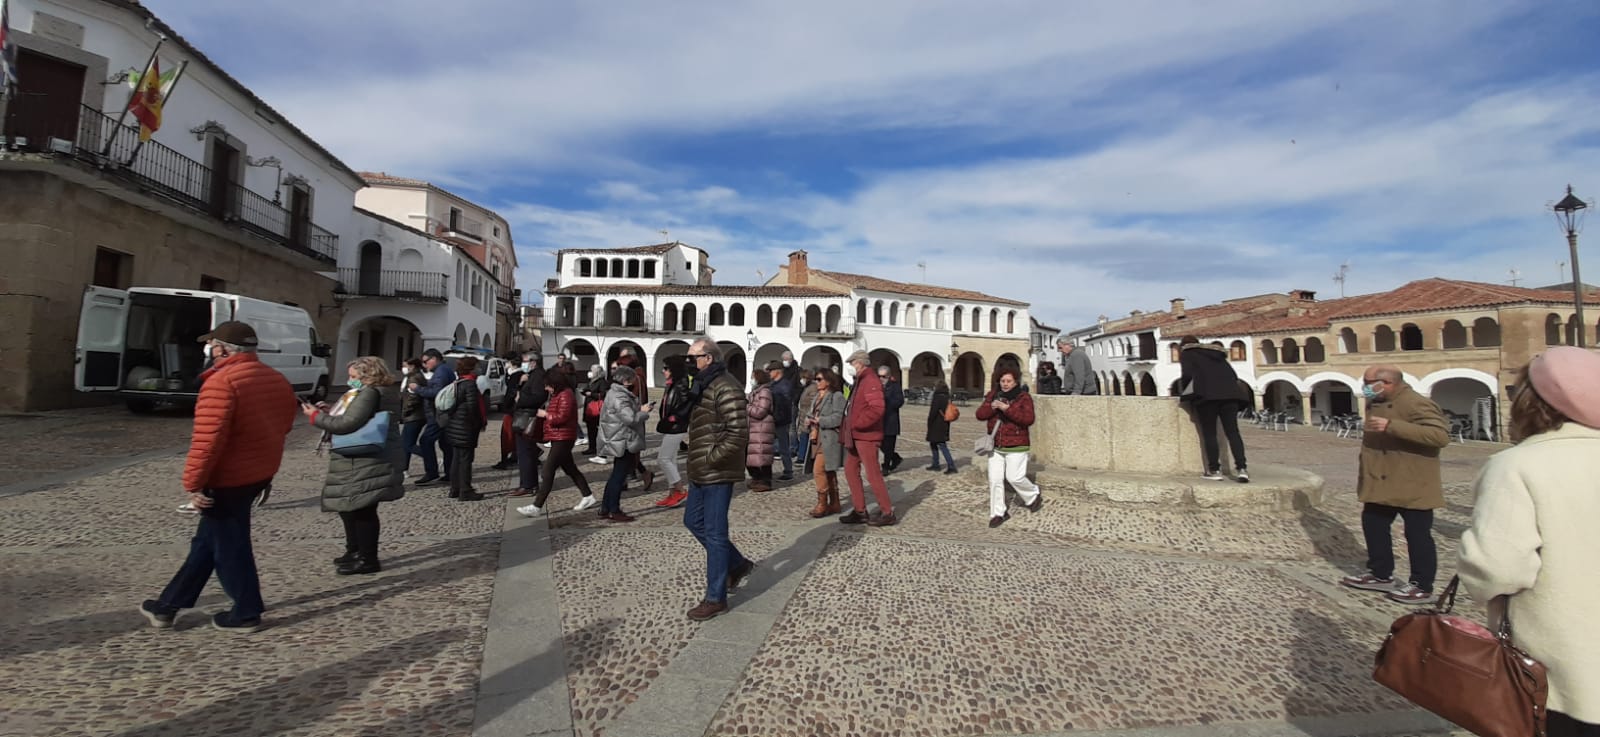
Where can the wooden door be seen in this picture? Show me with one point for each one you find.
(48, 102)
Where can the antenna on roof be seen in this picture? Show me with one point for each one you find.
(1344, 272)
(924, 266)
(1515, 274)
(1561, 272)
(762, 275)
(664, 236)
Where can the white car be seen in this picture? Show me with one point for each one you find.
(491, 376)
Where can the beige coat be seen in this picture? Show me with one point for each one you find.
(1400, 466)
(1533, 538)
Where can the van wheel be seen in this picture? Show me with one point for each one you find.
(320, 393)
(141, 406)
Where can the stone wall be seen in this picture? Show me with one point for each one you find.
(1136, 435)
(53, 218)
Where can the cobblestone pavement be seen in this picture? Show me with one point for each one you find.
(1086, 617)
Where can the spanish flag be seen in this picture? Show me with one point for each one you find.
(146, 101)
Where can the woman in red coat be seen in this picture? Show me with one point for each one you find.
(560, 415)
(1008, 413)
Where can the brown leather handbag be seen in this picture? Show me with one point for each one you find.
(1459, 670)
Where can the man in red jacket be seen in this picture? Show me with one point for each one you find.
(861, 434)
(245, 410)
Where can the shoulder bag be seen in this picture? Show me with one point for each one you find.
(951, 412)
(984, 445)
(1456, 668)
(370, 440)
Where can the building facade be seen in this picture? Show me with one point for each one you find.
(226, 196)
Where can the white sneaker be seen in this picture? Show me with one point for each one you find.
(189, 508)
(586, 503)
(601, 460)
(1212, 476)
(1243, 476)
(546, 446)
(531, 510)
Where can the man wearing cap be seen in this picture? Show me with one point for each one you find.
(861, 434)
(245, 410)
(442, 376)
(1399, 477)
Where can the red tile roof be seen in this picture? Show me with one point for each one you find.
(875, 284)
(655, 250)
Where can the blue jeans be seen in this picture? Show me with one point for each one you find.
(706, 516)
(429, 440)
(409, 433)
(802, 446)
(948, 461)
(781, 448)
(221, 544)
(611, 498)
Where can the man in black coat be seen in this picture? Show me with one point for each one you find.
(893, 399)
(791, 377)
(1212, 386)
(531, 395)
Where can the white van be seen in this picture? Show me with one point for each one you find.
(141, 343)
(491, 374)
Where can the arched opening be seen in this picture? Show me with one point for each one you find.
(785, 316)
(894, 313)
(616, 268)
(736, 315)
(602, 268)
(822, 357)
(767, 353)
(861, 312)
(633, 268)
(393, 339)
(734, 358)
(976, 315)
(1552, 329)
(959, 314)
(994, 320)
(911, 315)
(475, 338)
(582, 353)
(886, 357)
(631, 348)
(834, 316)
(1007, 362)
(1454, 335)
(1236, 351)
(1269, 352)
(1290, 351)
(1129, 389)
(813, 320)
(877, 312)
(939, 316)
(1469, 407)
(1314, 352)
(764, 316)
(927, 370)
(635, 315)
(650, 269)
(1347, 341)
(585, 268)
(1485, 333)
(1282, 396)
(585, 312)
(1383, 339)
(1115, 383)
(410, 260)
(566, 312)
(1173, 353)
(460, 335)
(927, 313)
(968, 373)
(718, 315)
(1011, 322)
(611, 315)
(369, 278)
(1573, 326)
(669, 318)
(1331, 399)
(672, 350)
(688, 319)
(1147, 385)
(1410, 337)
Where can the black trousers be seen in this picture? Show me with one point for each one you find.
(1208, 413)
(887, 446)
(1561, 725)
(1376, 519)
(461, 471)
(560, 458)
(361, 532)
(528, 453)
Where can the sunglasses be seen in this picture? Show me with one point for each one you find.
(699, 355)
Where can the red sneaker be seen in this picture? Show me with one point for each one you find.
(674, 498)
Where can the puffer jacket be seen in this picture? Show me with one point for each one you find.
(719, 428)
(675, 409)
(358, 483)
(245, 410)
(763, 427)
(864, 411)
(893, 399)
(465, 421)
(411, 405)
(621, 423)
(1014, 422)
(561, 417)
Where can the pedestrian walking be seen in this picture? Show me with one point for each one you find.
(529, 398)
(893, 399)
(718, 433)
(412, 415)
(560, 415)
(622, 422)
(1049, 380)
(508, 434)
(760, 405)
(673, 427)
(824, 418)
(783, 405)
(440, 375)
(1531, 550)
(356, 484)
(463, 423)
(1399, 476)
(1210, 385)
(862, 433)
(1077, 374)
(808, 389)
(794, 382)
(1007, 413)
(243, 414)
(594, 397)
(939, 428)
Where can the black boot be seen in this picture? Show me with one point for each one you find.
(346, 559)
(360, 566)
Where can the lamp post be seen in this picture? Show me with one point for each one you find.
(1570, 212)
(751, 342)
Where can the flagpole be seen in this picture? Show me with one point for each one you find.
(161, 38)
(164, 98)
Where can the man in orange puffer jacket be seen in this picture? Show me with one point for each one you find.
(245, 410)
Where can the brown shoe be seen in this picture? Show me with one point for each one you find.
(882, 520)
(855, 517)
(649, 480)
(821, 510)
(834, 505)
(707, 609)
(621, 517)
(760, 486)
(521, 492)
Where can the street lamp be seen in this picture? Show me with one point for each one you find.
(1570, 212)
(750, 340)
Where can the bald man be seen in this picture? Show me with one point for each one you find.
(1399, 476)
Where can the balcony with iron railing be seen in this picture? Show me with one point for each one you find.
(508, 300)
(99, 139)
(409, 286)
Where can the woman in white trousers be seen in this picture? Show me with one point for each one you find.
(1008, 413)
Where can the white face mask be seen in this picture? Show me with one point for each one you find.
(405, 370)
(527, 367)
(787, 363)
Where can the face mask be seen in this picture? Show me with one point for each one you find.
(405, 370)
(787, 363)
(1369, 392)
(354, 383)
(527, 367)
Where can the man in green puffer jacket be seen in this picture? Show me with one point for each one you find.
(719, 431)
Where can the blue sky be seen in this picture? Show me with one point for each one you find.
(1087, 157)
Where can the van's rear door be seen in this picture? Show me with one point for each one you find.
(222, 308)
(102, 337)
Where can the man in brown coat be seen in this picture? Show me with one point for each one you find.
(1399, 476)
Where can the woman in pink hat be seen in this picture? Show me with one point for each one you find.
(1535, 536)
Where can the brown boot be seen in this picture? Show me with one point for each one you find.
(833, 493)
(649, 480)
(821, 510)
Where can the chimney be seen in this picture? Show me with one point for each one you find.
(1303, 295)
(799, 272)
(1135, 313)
(1104, 320)
(1177, 307)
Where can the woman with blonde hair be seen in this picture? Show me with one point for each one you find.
(356, 484)
(1532, 547)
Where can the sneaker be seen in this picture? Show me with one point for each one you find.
(707, 609)
(546, 446)
(428, 481)
(1410, 594)
(1242, 476)
(673, 498)
(160, 617)
(601, 460)
(1367, 582)
(855, 517)
(188, 508)
(531, 510)
(883, 520)
(587, 502)
(227, 622)
(1212, 475)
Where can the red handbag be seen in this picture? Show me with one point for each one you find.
(1458, 669)
(592, 409)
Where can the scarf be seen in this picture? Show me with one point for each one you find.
(703, 379)
(1008, 396)
(337, 409)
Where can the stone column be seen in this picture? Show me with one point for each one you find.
(1305, 408)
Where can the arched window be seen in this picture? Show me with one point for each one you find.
(894, 313)
(877, 312)
(1485, 333)
(1172, 352)
(616, 268)
(585, 267)
(861, 312)
(1410, 337)
(813, 319)
(959, 315)
(633, 268)
(650, 269)
(1314, 352)
(927, 312)
(977, 317)
(585, 312)
(1269, 352)
(718, 316)
(1552, 329)
(612, 315)
(736, 315)
(994, 320)
(1573, 326)
(1347, 341)
(834, 315)
(602, 268)
(1383, 339)
(1236, 351)
(1290, 351)
(785, 316)
(939, 318)
(669, 317)
(635, 316)
(764, 316)
(1011, 322)
(911, 315)
(1454, 335)
(689, 325)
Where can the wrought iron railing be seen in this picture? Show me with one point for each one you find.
(418, 286)
(162, 171)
